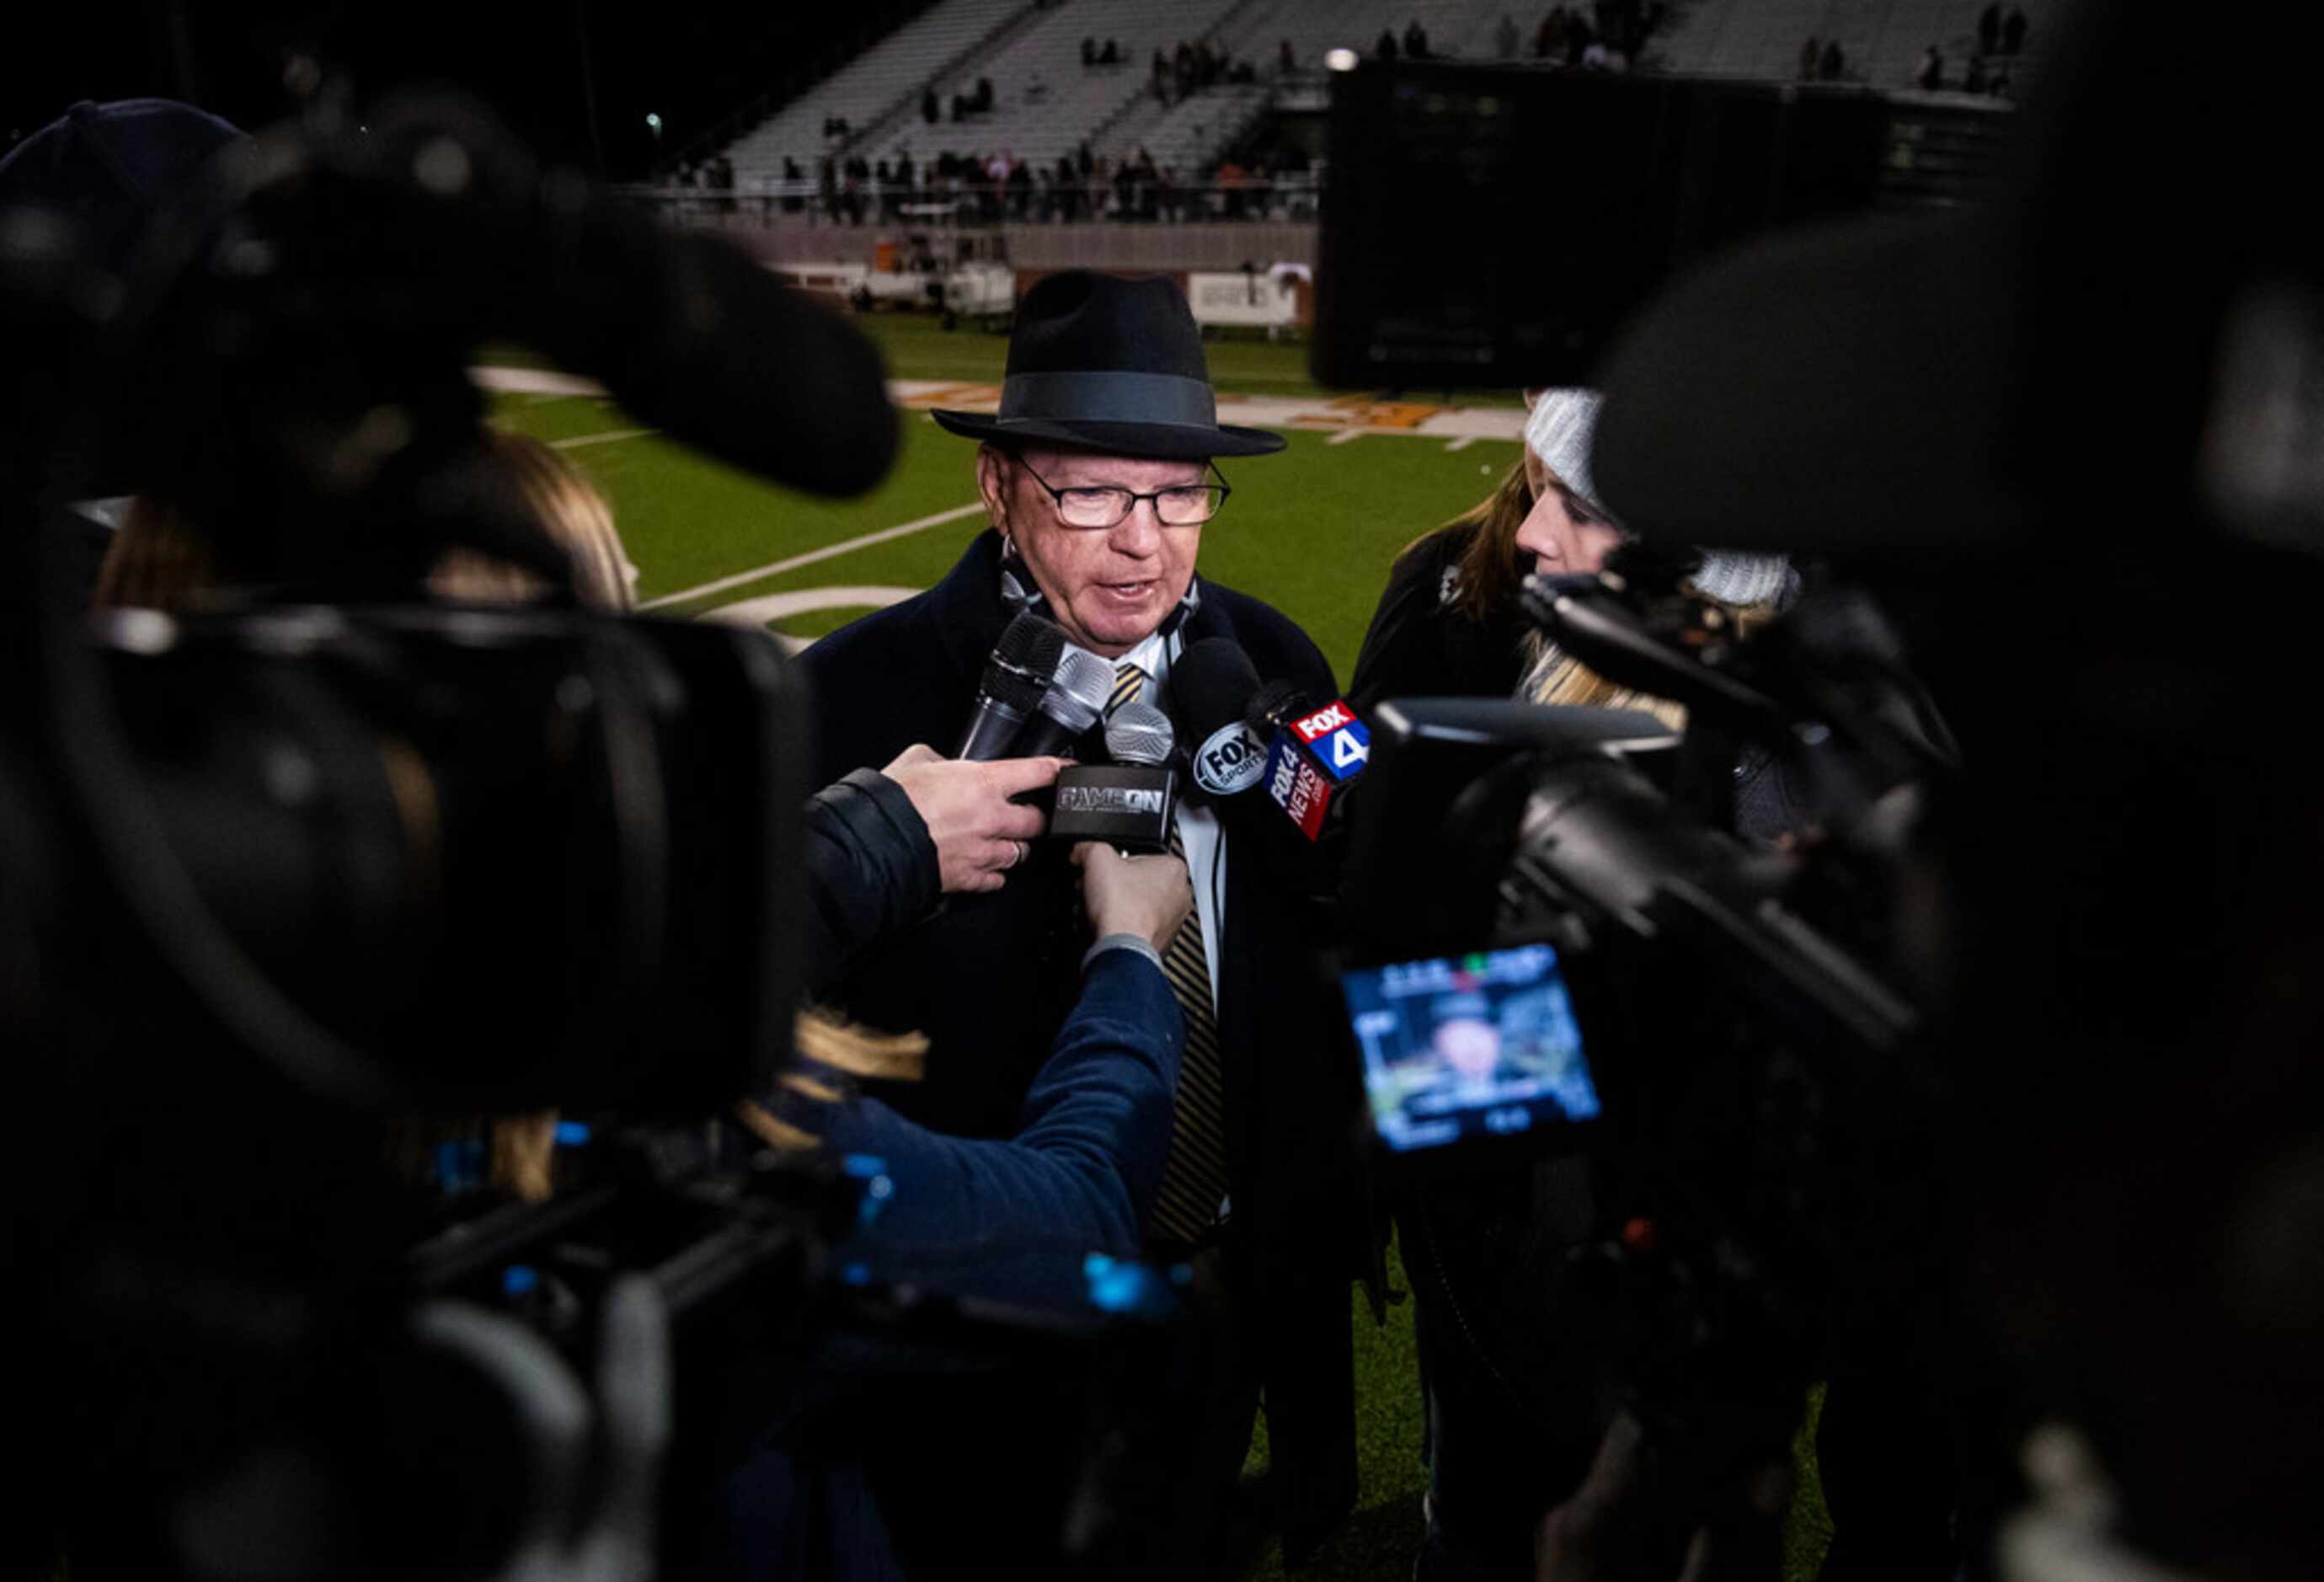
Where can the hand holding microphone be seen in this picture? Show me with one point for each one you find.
(1148, 896)
(979, 832)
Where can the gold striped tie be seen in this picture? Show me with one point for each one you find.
(1129, 681)
(1195, 1181)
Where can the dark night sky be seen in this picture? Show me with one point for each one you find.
(690, 62)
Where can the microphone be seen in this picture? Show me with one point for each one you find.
(1132, 802)
(1015, 677)
(1314, 755)
(1214, 683)
(1232, 718)
(1075, 697)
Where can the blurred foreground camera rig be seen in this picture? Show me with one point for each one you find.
(300, 893)
(1761, 1133)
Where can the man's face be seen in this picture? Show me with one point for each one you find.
(1109, 588)
(1471, 1046)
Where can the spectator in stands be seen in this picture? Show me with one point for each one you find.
(905, 175)
(931, 112)
(793, 177)
(1579, 37)
(2013, 32)
(1233, 182)
(1549, 38)
(1111, 54)
(1988, 28)
(1975, 80)
(1089, 51)
(1159, 77)
(1416, 41)
(984, 95)
(1505, 38)
(1082, 161)
(1386, 49)
(1835, 64)
(1286, 58)
(1810, 53)
(1932, 75)
(1165, 190)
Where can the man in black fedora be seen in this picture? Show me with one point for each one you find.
(1098, 476)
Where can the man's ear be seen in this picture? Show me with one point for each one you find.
(992, 482)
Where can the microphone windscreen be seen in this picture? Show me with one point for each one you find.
(1077, 694)
(1212, 682)
(1140, 733)
(1023, 660)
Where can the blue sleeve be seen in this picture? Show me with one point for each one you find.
(1079, 1176)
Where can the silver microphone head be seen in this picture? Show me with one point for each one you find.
(1140, 733)
(1077, 693)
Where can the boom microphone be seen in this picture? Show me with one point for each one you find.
(1015, 677)
(1077, 695)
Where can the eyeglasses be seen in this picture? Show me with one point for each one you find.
(1179, 505)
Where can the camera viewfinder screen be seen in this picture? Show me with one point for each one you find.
(1477, 1045)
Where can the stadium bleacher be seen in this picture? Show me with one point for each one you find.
(877, 87)
(1187, 135)
(1047, 102)
(1882, 39)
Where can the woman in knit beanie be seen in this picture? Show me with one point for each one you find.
(1448, 623)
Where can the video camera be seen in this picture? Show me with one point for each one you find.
(324, 866)
(1559, 946)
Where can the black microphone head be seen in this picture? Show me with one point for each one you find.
(1023, 660)
(1078, 691)
(1211, 683)
(1140, 733)
(1274, 703)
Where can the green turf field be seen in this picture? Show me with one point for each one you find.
(1310, 531)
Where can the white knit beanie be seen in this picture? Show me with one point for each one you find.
(1735, 578)
(1559, 430)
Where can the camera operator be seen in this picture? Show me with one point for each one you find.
(1448, 623)
(1500, 1365)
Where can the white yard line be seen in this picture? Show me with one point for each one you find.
(1462, 443)
(828, 552)
(601, 439)
(1344, 435)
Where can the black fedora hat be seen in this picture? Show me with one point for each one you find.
(1101, 364)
